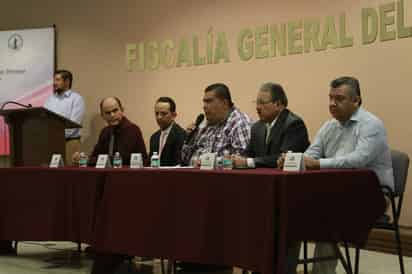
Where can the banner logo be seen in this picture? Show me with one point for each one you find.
(15, 42)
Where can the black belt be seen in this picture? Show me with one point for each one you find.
(72, 138)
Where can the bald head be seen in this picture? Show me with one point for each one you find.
(111, 110)
(110, 99)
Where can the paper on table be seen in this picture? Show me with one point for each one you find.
(172, 167)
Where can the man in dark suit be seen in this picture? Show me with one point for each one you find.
(278, 130)
(169, 139)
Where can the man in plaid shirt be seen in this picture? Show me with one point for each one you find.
(225, 128)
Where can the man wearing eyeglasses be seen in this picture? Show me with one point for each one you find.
(278, 130)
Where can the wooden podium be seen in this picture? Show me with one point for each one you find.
(35, 134)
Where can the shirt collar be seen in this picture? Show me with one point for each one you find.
(228, 117)
(123, 123)
(356, 116)
(224, 121)
(67, 93)
(270, 125)
(167, 130)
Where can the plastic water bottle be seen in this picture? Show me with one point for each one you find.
(227, 160)
(154, 160)
(117, 160)
(83, 160)
(195, 159)
(219, 162)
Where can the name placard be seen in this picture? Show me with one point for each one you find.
(56, 161)
(103, 161)
(294, 162)
(136, 160)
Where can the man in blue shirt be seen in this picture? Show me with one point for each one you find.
(68, 103)
(355, 138)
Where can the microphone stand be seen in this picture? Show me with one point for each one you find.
(14, 103)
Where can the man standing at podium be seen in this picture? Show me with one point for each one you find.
(70, 104)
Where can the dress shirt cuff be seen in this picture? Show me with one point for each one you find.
(326, 163)
(250, 163)
(71, 133)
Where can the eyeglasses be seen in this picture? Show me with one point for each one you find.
(260, 102)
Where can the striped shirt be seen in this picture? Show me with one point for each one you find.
(233, 134)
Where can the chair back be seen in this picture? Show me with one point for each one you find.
(400, 165)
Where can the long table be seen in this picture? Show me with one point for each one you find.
(48, 204)
(243, 218)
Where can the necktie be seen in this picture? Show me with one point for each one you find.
(111, 144)
(268, 128)
(162, 142)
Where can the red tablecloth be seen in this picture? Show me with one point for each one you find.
(243, 218)
(327, 205)
(48, 204)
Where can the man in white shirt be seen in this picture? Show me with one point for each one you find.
(354, 138)
(69, 104)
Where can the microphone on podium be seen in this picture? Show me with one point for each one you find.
(199, 119)
(14, 103)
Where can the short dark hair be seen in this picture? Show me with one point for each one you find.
(113, 97)
(66, 75)
(221, 91)
(172, 104)
(276, 91)
(351, 82)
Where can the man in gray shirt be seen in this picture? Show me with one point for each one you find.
(355, 138)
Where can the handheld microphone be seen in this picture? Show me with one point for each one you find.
(199, 119)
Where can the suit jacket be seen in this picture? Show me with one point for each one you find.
(171, 153)
(288, 133)
(128, 139)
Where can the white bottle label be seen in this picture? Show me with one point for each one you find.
(207, 161)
